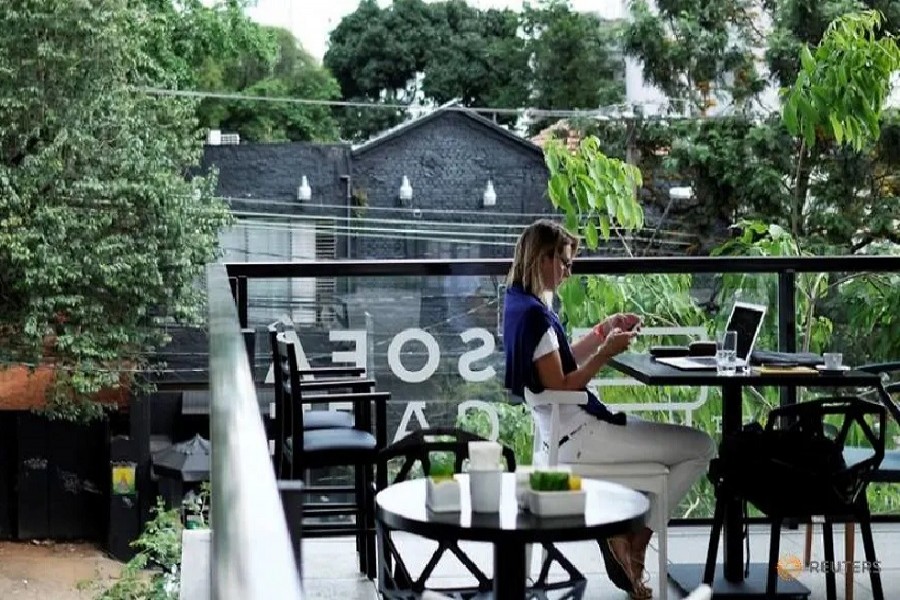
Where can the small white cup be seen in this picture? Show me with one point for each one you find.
(484, 456)
(833, 360)
(484, 490)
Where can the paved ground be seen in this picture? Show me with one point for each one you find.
(330, 573)
(53, 571)
(74, 571)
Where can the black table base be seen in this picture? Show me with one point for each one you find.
(687, 577)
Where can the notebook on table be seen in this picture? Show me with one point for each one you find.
(746, 319)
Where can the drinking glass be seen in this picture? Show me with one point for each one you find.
(726, 353)
(833, 361)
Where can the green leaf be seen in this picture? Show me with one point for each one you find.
(559, 191)
(807, 60)
(836, 128)
(604, 226)
(551, 157)
(590, 235)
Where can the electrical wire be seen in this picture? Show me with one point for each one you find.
(375, 232)
(414, 221)
(619, 111)
(418, 221)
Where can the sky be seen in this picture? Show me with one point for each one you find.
(312, 20)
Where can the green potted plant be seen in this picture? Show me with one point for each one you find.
(441, 489)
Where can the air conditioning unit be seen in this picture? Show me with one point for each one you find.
(214, 137)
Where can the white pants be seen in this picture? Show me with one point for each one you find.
(685, 450)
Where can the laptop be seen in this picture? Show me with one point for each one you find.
(746, 319)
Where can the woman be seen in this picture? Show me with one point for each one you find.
(539, 357)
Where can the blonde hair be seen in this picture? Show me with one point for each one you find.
(541, 238)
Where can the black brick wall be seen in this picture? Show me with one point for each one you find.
(448, 161)
(263, 178)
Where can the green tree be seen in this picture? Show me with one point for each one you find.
(697, 51)
(294, 74)
(204, 45)
(549, 56)
(574, 57)
(839, 95)
(102, 238)
(375, 54)
(216, 47)
(478, 58)
(796, 23)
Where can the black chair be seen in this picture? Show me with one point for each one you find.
(887, 472)
(328, 379)
(355, 447)
(796, 470)
(416, 451)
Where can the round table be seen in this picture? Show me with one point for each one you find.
(610, 509)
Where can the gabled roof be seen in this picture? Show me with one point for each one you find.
(453, 106)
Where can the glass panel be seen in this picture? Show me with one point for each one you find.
(435, 343)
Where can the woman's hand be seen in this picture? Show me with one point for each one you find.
(621, 321)
(617, 342)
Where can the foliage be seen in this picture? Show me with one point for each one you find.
(796, 23)
(478, 58)
(838, 94)
(758, 239)
(572, 57)
(416, 52)
(441, 465)
(283, 121)
(842, 87)
(596, 193)
(216, 47)
(159, 547)
(159, 551)
(832, 197)
(374, 54)
(700, 52)
(515, 428)
(199, 44)
(514, 419)
(101, 236)
(870, 303)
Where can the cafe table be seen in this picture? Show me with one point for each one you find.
(730, 580)
(610, 510)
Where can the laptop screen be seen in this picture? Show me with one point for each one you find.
(746, 320)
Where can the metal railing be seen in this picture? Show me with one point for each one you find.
(252, 558)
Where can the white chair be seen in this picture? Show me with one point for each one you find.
(648, 477)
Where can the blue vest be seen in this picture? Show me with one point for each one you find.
(525, 321)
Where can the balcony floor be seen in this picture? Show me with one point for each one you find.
(330, 568)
